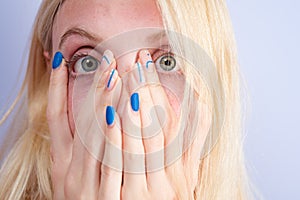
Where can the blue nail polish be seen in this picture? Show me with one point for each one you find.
(148, 63)
(57, 60)
(110, 78)
(110, 115)
(106, 59)
(135, 102)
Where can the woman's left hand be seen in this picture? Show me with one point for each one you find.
(149, 124)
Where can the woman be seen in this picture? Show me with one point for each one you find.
(124, 104)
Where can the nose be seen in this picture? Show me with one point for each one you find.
(126, 62)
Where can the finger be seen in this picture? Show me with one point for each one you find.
(111, 168)
(166, 115)
(61, 137)
(134, 158)
(151, 127)
(168, 118)
(155, 145)
(90, 120)
(203, 127)
(192, 156)
(153, 139)
(57, 109)
(89, 138)
(155, 87)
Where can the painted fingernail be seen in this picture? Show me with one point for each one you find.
(111, 79)
(139, 66)
(110, 115)
(135, 102)
(57, 60)
(148, 63)
(107, 57)
(146, 59)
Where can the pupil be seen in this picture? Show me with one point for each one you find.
(89, 63)
(167, 62)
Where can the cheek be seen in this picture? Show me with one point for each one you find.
(173, 85)
(78, 89)
(173, 100)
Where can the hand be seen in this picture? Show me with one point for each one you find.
(153, 166)
(148, 122)
(77, 172)
(76, 167)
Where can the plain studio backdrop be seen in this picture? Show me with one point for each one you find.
(267, 34)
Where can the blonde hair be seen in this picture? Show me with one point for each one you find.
(25, 173)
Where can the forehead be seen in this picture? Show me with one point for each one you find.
(105, 18)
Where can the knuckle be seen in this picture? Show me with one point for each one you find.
(156, 143)
(114, 139)
(73, 189)
(108, 172)
(53, 114)
(59, 76)
(70, 185)
(143, 193)
(84, 196)
(55, 174)
(52, 154)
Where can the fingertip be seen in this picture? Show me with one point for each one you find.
(108, 56)
(112, 79)
(110, 115)
(59, 75)
(135, 102)
(107, 66)
(146, 60)
(145, 54)
(107, 60)
(57, 60)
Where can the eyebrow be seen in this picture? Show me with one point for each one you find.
(79, 32)
(157, 36)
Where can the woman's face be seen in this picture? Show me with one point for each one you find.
(80, 26)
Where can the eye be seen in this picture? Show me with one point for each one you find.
(166, 62)
(86, 64)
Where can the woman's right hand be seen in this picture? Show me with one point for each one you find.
(76, 167)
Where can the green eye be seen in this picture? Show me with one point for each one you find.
(89, 64)
(86, 64)
(166, 62)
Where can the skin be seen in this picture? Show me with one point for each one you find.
(114, 18)
(77, 170)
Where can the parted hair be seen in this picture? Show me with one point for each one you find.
(26, 170)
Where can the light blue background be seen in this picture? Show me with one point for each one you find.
(267, 34)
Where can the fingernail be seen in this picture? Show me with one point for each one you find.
(107, 57)
(140, 71)
(148, 63)
(111, 79)
(146, 60)
(135, 102)
(110, 115)
(57, 60)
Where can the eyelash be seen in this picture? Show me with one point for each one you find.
(160, 53)
(70, 63)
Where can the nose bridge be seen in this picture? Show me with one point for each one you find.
(126, 62)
